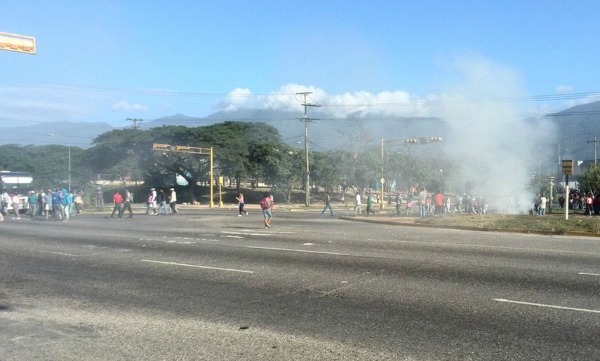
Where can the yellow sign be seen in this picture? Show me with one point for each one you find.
(19, 43)
(567, 167)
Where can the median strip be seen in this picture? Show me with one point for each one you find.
(196, 266)
(547, 306)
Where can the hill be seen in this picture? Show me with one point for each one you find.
(577, 127)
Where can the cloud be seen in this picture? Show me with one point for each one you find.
(124, 105)
(564, 89)
(289, 98)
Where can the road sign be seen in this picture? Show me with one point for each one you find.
(567, 167)
(19, 43)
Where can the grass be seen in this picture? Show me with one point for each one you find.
(550, 223)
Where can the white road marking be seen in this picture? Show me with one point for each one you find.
(494, 247)
(589, 274)
(62, 254)
(247, 233)
(547, 306)
(196, 266)
(297, 250)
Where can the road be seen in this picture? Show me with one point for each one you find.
(208, 285)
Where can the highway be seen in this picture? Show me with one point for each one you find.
(209, 285)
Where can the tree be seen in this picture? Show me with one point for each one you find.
(328, 169)
(280, 166)
(589, 181)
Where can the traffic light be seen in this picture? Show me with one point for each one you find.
(411, 141)
(436, 139)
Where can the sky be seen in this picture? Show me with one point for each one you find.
(111, 60)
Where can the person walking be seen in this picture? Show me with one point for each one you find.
(57, 208)
(173, 201)
(266, 204)
(48, 208)
(422, 199)
(78, 202)
(5, 203)
(99, 199)
(357, 204)
(162, 202)
(241, 204)
(544, 201)
(118, 204)
(127, 201)
(15, 205)
(439, 203)
(398, 204)
(67, 200)
(369, 204)
(32, 200)
(327, 205)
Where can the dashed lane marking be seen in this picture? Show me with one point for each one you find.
(62, 253)
(197, 266)
(297, 250)
(547, 306)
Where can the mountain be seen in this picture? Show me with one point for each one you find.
(323, 132)
(578, 129)
(67, 133)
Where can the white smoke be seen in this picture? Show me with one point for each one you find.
(493, 149)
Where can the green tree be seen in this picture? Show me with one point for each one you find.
(280, 166)
(589, 181)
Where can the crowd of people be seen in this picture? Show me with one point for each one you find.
(426, 203)
(58, 204)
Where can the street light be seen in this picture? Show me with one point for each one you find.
(69, 166)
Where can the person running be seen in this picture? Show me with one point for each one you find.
(241, 204)
(266, 204)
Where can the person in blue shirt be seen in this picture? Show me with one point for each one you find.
(57, 207)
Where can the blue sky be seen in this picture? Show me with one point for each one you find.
(109, 60)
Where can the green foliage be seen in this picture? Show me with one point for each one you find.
(589, 181)
(49, 164)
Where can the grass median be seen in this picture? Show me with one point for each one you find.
(550, 223)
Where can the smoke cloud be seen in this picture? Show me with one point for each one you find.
(493, 149)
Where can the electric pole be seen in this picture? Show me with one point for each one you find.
(306, 119)
(135, 122)
(594, 141)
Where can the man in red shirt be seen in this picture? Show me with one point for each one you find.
(439, 203)
(118, 201)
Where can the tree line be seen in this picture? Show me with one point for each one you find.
(242, 151)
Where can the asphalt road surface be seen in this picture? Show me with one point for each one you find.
(209, 285)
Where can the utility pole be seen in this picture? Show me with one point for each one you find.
(306, 119)
(135, 122)
(595, 141)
